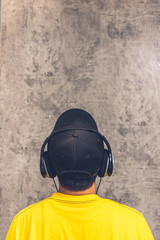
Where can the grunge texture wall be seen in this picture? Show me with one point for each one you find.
(101, 56)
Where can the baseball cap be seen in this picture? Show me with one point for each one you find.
(76, 153)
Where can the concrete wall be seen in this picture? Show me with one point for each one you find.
(102, 56)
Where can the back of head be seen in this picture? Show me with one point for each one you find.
(76, 155)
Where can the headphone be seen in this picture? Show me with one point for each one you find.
(46, 169)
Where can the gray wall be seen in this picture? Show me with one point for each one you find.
(102, 56)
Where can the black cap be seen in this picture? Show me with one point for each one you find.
(76, 152)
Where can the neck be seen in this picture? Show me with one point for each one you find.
(90, 190)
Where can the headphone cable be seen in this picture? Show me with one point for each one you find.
(98, 185)
(55, 184)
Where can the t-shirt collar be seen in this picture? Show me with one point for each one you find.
(73, 198)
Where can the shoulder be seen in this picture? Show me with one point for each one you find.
(121, 210)
(125, 217)
(20, 225)
(31, 209)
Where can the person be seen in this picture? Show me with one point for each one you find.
(76, 155)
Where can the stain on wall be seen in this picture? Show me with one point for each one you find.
(102, 56)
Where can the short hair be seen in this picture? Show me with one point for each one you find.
(75, 184)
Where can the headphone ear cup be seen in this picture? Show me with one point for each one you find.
(43, 167)
(50, 172)
(110, 165)
(104, 164)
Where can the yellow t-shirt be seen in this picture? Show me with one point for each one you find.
(87, 217)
